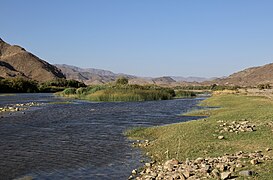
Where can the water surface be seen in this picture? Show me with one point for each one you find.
(79, 140)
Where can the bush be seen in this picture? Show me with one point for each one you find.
(18, 85)
(180, 94)
(69, 91)
(122, 81)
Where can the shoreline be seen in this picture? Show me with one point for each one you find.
(213, 137)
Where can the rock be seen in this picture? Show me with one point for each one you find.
(254, 161)
(232, 169)
(225, 175)
(246, 173)
(153, 174)
(215, 173)
(239, 165)
(148, 170)
(221, 137)
(268, 149)
(134, 171)
(148, 164)
(186, 174)
(170, 164)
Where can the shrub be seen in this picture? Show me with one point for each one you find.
(18, 85)
(69, 91)
(122, 81)
(185, 94)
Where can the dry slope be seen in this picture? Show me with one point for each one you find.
(15, 61)
(250, 77)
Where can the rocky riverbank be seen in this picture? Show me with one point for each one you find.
(229, 166)
(235, 141)
(18, 107)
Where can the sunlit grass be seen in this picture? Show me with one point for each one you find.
(199, 138)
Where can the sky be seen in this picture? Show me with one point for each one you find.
(150, 38)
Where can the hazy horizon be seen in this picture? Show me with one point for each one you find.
(144, 38)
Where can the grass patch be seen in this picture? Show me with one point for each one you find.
(199, 138)
(120, 92)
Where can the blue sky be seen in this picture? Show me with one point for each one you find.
(144, 37)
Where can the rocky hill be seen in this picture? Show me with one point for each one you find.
(98, 76)
(249, 77)
(15, 61)
(90, 75)
(191, 79)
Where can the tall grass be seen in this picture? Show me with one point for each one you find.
(120, 93)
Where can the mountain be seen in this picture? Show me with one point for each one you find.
(15, 61)
(191, 79)
(90, 75)
(98, 76)
(249, 77)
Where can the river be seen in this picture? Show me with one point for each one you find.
(79, 139)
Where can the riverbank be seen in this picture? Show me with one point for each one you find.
(243, 125)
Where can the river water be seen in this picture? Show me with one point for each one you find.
(80, 139)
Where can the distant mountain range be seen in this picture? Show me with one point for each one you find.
(90, 75)
(15, 61)
(99, 76)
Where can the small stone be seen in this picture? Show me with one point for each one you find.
(187, 174)
(215, 173)
(232, 169)
(254, 161)
(170, 164)
(153, 174)
(147, 171)
(246, 173)
(225, 175)
(134, 171)
(148, 164)
(268, 149)
(220, 137)
(239, 165)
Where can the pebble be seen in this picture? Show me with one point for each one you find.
(134, 171)
(246, 173)
(148, 164)
(225, 175)
(254, 161)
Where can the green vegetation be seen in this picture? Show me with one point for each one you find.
(20, 85)
(199, 138)
(122, 81)
(120, 92)
(181, 94)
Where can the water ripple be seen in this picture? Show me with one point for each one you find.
(81, 140)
